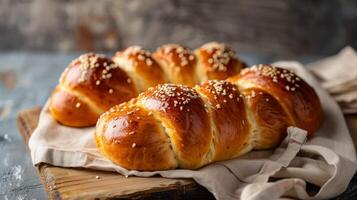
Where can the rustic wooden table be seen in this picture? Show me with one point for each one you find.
(26, 80)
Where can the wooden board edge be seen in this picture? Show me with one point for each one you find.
(25, 132)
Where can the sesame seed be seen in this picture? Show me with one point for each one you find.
(97, 177)
(111, 91)
(148, 61)
(179, 50)
(183, 63)
(218, 106)
(266, 100)
(97, 82)
(133, 145)
(128, 80)
(141, 57)
(287, 88)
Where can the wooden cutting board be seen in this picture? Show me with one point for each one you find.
(80, 183)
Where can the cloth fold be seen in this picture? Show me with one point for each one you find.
(320, 167)
(338, 75)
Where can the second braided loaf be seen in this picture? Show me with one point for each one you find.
(93, 83)
(172, 126)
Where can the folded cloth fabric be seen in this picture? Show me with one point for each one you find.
(327, 161)
(338, 75)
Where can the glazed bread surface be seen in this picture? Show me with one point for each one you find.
(176, 126)
(89, 86)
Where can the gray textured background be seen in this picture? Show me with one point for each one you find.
(277, 27)
(38, 38)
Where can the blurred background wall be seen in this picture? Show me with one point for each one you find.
(276, 27)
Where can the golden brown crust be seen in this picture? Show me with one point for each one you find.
(96, 80)
(296, 97)
(140, 66)
(131, 137)
(269, 120)
(227, 110)
(178, 63)
(70, 110)
(217, 61)
(182, 113)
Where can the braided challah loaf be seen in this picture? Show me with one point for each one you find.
(92, 84)
(172, 125)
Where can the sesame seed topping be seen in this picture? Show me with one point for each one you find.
(221, 90)
(128, 80)
(133, 145)
(277, 75)
(111, 91)
(220, 55)
(97, 177)
(97, 82)
(174, 50)
(179, 95)
(91, 61)
(78, 105)
(136, 54)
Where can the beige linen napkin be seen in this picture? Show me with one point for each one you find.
(328, 160)
(339, 77)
